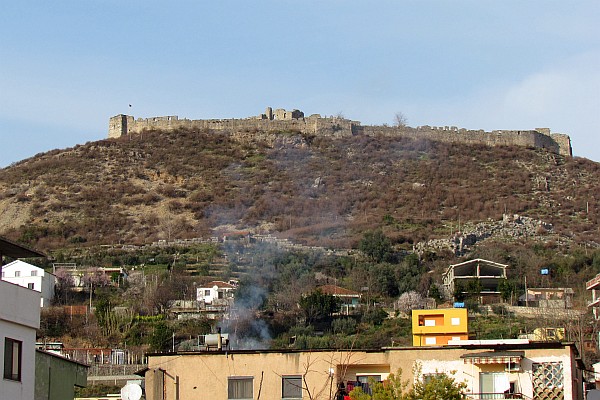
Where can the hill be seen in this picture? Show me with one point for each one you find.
(313, 189)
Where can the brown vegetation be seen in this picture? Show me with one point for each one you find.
(317, 190)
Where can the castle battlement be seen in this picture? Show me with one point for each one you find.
(281, 120)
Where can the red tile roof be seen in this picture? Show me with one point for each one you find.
(336, 290)
(219, 284)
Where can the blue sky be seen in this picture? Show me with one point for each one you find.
(67, 66)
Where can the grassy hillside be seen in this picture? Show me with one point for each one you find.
(325, 191)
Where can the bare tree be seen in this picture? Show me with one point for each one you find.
(400, 120)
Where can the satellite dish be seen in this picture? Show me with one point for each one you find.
(131, 391)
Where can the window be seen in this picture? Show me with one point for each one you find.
(207, 292)
(291, 387)
(30, 285)
(455, 321)
(17, 274)
(12, 359)
(220, 295)
(34, 273)
(430, 340)
(365, 381)
(430, 377)
(493, 385)
(430, 322)
(240, 387)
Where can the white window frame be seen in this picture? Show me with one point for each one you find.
(430, 340)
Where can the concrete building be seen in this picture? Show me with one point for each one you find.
(548, 298)
(488, 274)
(19, 319)
(56, 377)
(349, 298)
(215, 292)
(529, 370)
(32, 277)
(593, 285)
(438, 326)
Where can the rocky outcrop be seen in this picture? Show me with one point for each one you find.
(511, 227)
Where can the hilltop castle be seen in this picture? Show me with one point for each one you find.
(281, 120)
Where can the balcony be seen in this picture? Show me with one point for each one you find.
(481, 396)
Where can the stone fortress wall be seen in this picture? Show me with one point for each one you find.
(281, 120)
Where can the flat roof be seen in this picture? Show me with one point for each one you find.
(496, 347)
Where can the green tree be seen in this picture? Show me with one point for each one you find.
(376, 246)
(474, 287)
(410, 273)
(459, 291)
(436, 294)
(384, 279)
(161, 337)
(506, 288)
(439, 386)
(319, 306)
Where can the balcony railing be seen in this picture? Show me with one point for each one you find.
(482, 396)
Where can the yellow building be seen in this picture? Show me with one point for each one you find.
(490, 370)
(436, 327)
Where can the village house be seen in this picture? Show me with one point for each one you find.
(215, 293)
(350, 299)
(436, 327)
(32, 277)
(19, 319)
(490, 369)
(56, 376)
(548, 298)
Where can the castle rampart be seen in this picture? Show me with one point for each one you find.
(289, 121)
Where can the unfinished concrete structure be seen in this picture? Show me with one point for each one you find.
(281, 120)
(488, 274)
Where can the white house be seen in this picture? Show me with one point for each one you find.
(215, 292)
(32, 277)
(19, 319)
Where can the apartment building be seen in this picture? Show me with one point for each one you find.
(436, 327)
(491, 370)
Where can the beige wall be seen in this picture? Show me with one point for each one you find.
(205, 375)
(339, 127)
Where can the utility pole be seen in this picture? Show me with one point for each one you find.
(526, 295)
